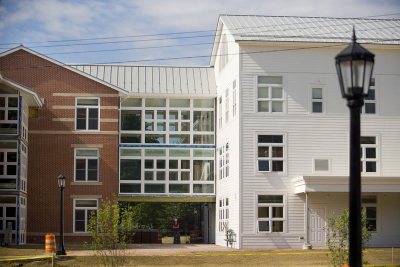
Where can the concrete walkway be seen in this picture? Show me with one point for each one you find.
(161, 249)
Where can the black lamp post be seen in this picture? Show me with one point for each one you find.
(354, 66)
(61, 185)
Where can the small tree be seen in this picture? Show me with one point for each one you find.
(109, 231)
(338, 234)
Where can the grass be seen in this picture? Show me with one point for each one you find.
(375, 257)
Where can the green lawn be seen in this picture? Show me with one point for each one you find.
(375, 257)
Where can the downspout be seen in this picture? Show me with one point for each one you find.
(306, 244)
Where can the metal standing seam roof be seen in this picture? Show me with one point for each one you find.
(312, 29)
(163, 80)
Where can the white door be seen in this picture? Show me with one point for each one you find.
(317, 226)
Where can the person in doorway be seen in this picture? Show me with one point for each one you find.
(176, 232)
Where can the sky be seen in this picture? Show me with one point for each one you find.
(133, 31)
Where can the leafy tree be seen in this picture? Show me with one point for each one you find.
(338, 235)
(109, 230)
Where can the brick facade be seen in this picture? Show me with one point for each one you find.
(52, 139)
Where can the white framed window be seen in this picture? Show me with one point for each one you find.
(86, 165)
(9, 113)
(370, 101)
(369, 203)
(270, 96)
(8, 165)
(270, 213)
(223, 215)
(369, 154)
(270, 153)
(227, 105)
(317, 100)
(224, 161)
(84, 209)
(87, 114)
(321, 165)
(234, 99)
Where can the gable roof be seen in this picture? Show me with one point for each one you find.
(21, 47)
(32, 98)
(307, 30)
(164, 80)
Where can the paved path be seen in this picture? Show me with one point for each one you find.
(161, 249)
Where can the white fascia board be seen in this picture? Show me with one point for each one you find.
(21, 47)
(36, 99)
(217, 39)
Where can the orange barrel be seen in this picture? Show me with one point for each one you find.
(50, 243)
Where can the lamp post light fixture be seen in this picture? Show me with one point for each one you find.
(354, 67)
(61, 184)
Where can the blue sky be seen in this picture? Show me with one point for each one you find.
(38, 23)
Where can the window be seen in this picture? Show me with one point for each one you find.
(270, 153)
(234, 99)
(224, 161)
(369, 203)
(317, 100)
(8, 165)
(84, 209)
(270, 213)
(86, 165)
(368, 154)
(227, 105)
(270, 94)
(87, 114)
(203, 121)
(8, 114)
(370, 101)
(223, 215)
(321, 165)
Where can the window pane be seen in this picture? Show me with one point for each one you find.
(370, 108)
(263, 92)
(79, 226)
(277, 152)
(371, 212)
(269, 79)
(154, 188)
(270, 139)
(277, 106)
(160, 164)
(185, 176)
(149, 115)
(130, 138)
(179, 188)
(155, 152)
(2, 101)
(173, 176)
(161, 126)
(203, 120)
(203, 103)
(179, 139)
(370, 166)
(368, 140)
(277, 226)
(185, 164)
(203, 139)
(277, 92)
(173, 115)
(173, 126)
(277, 166)
(129, 188)
(11, 156)
(179, 153)
(149, 164)
(185, 126)
(263, 152)
(263, 226)
(263, 106)
(155, 102)
(13, 114)
(371, 94)
(87, 203)
(277, 212)
(317, 107)
(263, 212)
(161, 115)
(203, 188)
(270, 199)
(13, 102)
(131, 102)
(87, 102)
(155, 138)
(371, 225)
(203, 170)
(368, 199)
(130, 169)
(185, 115)
(131, 120)
(203, 153)
(11, 170)
(10, 212)
(263, 165)
(2, 115)
(86, 152)
(370, 152)
(179, 103)
(149, 175)
(173, 164)
(317, 93)
(160, 176)
(93, 124)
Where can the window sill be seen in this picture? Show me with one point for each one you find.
(86, 183)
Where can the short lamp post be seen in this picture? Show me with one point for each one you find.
(354, 67)
(61, 184)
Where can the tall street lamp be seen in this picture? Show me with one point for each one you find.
(354, 67)
(61, 184)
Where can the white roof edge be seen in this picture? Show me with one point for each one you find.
(20, 87)
(216, 41)
(21, 47)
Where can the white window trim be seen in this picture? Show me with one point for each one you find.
(273, 173)
(86, 171)
(322, 100)
(86, 217)
(283, 99)
(285, 215)
(87, 118)
(377, 146)
(375, 101)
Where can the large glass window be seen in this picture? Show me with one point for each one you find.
(86, 165)
(84, 209)
(270, 153)
(203, 170)
(270, 97)
(270, 213)
(203, 121)
(368, 154)
(87, 114)
(8, 114)
(130, 169)
(8, 165)
(131, 120)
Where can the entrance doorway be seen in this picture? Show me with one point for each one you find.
(196, 221)
(317, 236)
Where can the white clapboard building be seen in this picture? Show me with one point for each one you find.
(283, 130)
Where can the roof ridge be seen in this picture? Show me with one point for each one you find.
(308, 17)
(139, 66)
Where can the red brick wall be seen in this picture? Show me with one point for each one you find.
(52, 154)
